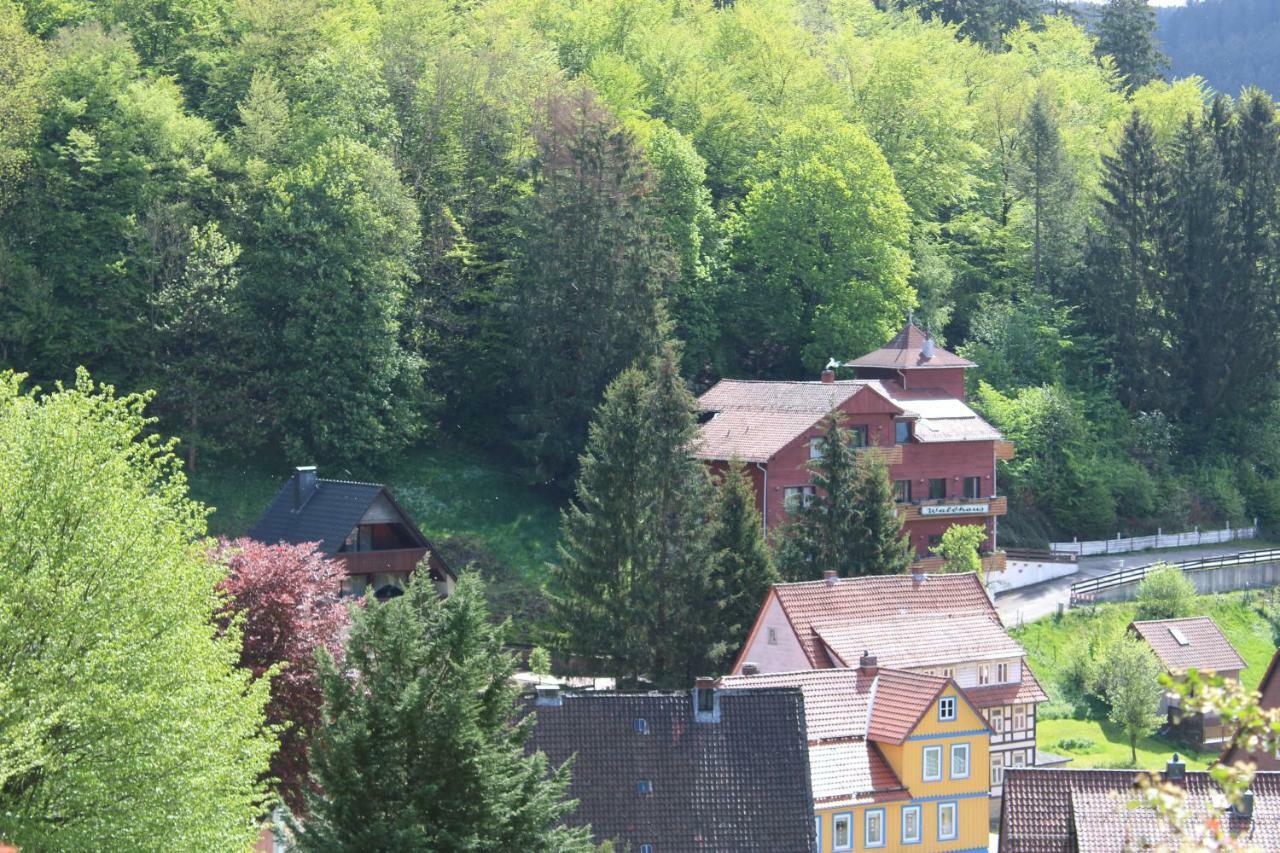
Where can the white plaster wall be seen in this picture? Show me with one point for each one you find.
(1020, 573)
(787, 655)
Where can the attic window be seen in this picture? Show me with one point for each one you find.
(644, 786)
(1179, 636)
(646, 848)
(642, 726)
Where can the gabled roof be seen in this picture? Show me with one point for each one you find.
(920, 640)
(900, 701)
(1064, 811)
(1194, 642)
(812, 398)
(328, 514)
(751, 436)
(906, 350)
(739, 784)
(1022, 692)
(850, 773)
(846, 602)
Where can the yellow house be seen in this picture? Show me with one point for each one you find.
(897, 760)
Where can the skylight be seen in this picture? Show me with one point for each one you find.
(1179, 636)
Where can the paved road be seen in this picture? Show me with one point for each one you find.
(1039, 600)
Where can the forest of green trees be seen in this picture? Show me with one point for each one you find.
(1231, 43)
(327, 230)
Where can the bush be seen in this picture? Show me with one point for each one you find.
(1218, 493)
(1056, 709)
(1076, 744)
(1165, 594)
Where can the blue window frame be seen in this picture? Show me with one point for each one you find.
(948, 821)
(912, 824)
(817, 834)
(642, 726)
(947, 709)
(644, 786)
(842, 831)
(646, 848)
(960, 761)
(931, 764)
(873, 830)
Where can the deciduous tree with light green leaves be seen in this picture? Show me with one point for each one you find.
(959, 548)
(124, 720)
(1165, 593)
(1129, 682)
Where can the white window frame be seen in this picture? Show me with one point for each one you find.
(919, 835)
(924, 763)
(866, 828)
(954, 808)
(1019, 758)
(947, 702)
(996, 718)
(984, 674)
(847, 819)
(795, 498)
(817, 834)
(997, 769)
(1019, 717)
(1002, 672)
(958, 749)
(815, 447)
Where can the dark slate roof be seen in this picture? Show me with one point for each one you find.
(327, 516)
(1065, 811)
(739, 784)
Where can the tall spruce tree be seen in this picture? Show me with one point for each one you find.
(1127, 272)
(592, 266)
(885, 550)
(417, 748)
(744, 569)
(634, 581)
(1126, 32)
(825, 534)
(1044, 179)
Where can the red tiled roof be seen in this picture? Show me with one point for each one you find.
(1015, 693)
(1182, 644)
(750, 436)
(898, 702)
(920, 640)
(851, 773)
(815, 398)
(835, 700)
(812, 605)
(906, 350)
(1064, 810)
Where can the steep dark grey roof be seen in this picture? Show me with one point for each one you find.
(740, 784)
(327, 516)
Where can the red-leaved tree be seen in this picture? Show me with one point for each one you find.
(288, 597)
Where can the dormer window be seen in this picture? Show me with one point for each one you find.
(644, 786)
(642, 726)
(1002, 672)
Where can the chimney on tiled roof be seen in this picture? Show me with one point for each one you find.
(830, 577)
(304, 483)
(868, 665)
(549, 696)
(751, 668)
(1244, 808)
(1175, 770)
(828, 376)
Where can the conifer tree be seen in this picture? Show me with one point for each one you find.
(1127, 33)
(418, 748)
(633, 584)
(884, 550)
(744, 570)
(1044, 178)
(826, 533)
(592, 266)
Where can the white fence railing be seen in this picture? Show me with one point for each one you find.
(1160, 540)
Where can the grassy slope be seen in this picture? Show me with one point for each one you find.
(1051, 643)
(474, 505)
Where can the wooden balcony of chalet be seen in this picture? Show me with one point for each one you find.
(953, 508)
(373, 562)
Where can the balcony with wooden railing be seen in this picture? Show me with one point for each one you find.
(1005, 450)
(993, 562)
(889, 454)
(953, 508)
(372, 562)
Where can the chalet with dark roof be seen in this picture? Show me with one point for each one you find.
(896, 758)
(703, 770)
(1191, 643)
(359, 525)
(905, 404)
(1268, 700)
(1088, 811)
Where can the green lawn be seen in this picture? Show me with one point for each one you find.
(1053, 645)
(1108, 746)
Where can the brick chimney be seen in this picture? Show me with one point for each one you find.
(750, 668)
(1175, 770)
(828, 376)
(868, 665)
(304, 484)
(830, 577)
